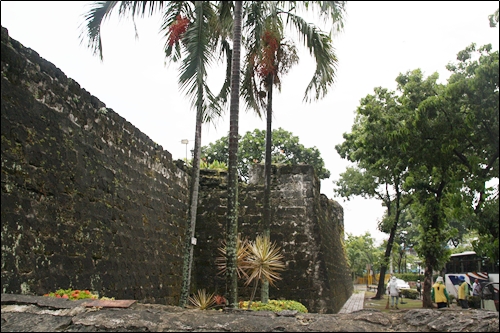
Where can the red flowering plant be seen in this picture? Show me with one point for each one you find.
(72, 294)
(220, 301)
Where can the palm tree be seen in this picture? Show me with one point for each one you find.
(232, 183)
(193, 31)
(270, 56)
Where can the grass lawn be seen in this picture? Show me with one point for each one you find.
(380, 304)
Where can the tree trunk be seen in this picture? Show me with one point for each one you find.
(383, 267)
(266, 225)
(390, 242)
(232, 184)
(190, 230)
(426, 299)
(387, 255)
(434, 227)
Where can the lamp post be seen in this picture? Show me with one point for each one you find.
(185, 142)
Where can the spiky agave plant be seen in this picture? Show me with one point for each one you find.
(201, 300)
(241, 254)
(262, 263)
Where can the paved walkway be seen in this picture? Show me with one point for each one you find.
(354, 303)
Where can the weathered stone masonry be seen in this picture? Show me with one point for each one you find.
(307, 226)
(90, 202)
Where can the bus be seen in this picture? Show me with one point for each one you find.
(471, 266)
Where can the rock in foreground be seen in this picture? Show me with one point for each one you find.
(41, 314)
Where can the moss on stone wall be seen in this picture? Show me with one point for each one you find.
(88, 201)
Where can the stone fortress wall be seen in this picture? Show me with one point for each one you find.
(306, 225)
(90, 202)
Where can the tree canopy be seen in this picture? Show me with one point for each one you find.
(435, 146)
(361, 251)
(286, 149)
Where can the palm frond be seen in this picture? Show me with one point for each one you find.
(143, 8)
(320, 46)
(199, 53)
(91, 26)
(249, 90)
(255, 13)
(222, 97)
(101, 10)
(332, 12)
(225, 10)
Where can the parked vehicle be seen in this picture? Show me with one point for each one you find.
(471, 266)
(402, 284)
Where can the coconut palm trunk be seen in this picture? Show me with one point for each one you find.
(190, 232)
(266, 223)
(232, 184)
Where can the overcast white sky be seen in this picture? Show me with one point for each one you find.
(381, 39)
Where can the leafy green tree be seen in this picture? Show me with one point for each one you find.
(286, 149)
(454, 147)
(475, 83)
(493, 19)
(375, 147)
(193, 33)
(443, 139)
(487, 244)
(361, 252)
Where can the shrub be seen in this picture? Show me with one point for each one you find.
(409, 293)
(410, 276)
(275, 306)
(474, 302)
(73, 294)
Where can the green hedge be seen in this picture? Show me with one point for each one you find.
(474, 302)
(275, 305)
(409, 293)
(413, 277)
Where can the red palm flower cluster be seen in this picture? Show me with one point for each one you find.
(177, 28)
(267, 63)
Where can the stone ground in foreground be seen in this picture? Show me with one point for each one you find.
(43, 314)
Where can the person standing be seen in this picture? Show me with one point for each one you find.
(476, 292)
(439, 294)
(463, 292)
(393, 291)
(419, 289)
(476, 288)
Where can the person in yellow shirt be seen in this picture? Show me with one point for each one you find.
(439, 294)
(463, 292)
